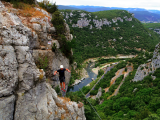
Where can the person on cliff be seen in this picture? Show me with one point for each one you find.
(62, 76)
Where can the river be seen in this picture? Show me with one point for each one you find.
(86, 80)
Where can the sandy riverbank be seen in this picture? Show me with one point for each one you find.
(95, 70)
(110, 57)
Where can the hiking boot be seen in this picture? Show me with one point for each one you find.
(61, 88)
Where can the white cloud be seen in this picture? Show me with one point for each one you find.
(147, 4)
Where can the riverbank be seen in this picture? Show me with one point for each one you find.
(109, 57)
(79, 83)
(95, 70)
(83, 75)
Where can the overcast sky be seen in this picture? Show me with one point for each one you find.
(147, 4)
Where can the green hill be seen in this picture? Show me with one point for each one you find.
(107, 33)
(152, 25)
(134, 101)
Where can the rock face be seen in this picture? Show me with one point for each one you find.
(99, 94)
(42, 103)
(8, 70)
(145, 69)
(84, 22)
(7, 107)
(24, 93)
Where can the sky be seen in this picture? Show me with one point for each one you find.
(147, 4)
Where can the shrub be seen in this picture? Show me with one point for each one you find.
(42, 63)
(49, 7)
(93, 92)
(142, 68)
(57, 89)
(100, 72)
(58, 22)
(54, 47)
(125, 69)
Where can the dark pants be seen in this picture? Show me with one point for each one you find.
(62, 79)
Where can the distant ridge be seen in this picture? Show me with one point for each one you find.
(140, 13)
(63, 7)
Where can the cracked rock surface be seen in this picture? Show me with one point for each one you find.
(149, 67)
(24, 93)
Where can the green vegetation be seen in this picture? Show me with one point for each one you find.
(57, 89)
(114, 86)
(54, 47)
(111, 14)
(102, 61)
(151, 25)
(127, 37)
(58, 22)
(135, 100)
(100, 72)
(42, 63)
(49, 7)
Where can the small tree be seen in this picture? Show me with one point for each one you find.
(58, 22)
(54, 47)
(125, 69)
(52, 8)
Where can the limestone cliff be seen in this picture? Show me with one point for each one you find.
(145, 69)
(24, 93)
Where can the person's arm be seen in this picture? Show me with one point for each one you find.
(55, 72)
(68, 70)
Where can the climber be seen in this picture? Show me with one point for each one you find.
(61, 76)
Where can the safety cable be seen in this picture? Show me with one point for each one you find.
(89, 103)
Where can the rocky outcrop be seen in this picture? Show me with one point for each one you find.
(98, 23)
(42, 103)
(24, 93)
(99, 94)
(37, 33)
(84, 73)
(145, 69)
(68, 36)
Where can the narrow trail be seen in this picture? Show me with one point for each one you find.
(117, 74)
(129, 69)
(108, 69)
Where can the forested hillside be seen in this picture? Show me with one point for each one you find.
(152, 25)
(135, 100)
(107, 33)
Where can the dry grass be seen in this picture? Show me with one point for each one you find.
(76, 117)
(62, 117)
(56, 112)
(40, 70)
(26, 10)
(41, 76)
(30, 11)
(50, 113)
(65, 99)
(63, 106)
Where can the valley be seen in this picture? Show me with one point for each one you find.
(119, 35)
(112, 61)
